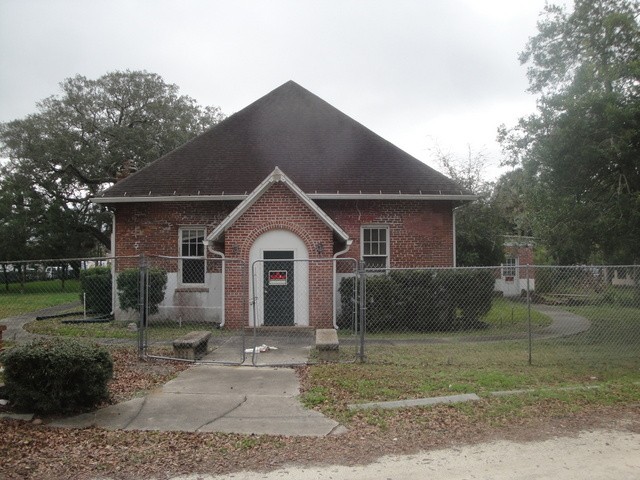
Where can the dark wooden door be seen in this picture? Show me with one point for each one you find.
(278, 288)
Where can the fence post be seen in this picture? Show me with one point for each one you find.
(362, 283)
(529, 313)
(142, 305)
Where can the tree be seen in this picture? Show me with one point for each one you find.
(510, 199)
(79, 142)
(580, 151)
(20, 211)
(479, 227)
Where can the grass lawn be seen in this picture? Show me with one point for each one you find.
(505, 317)
(54, 326)
(36, 296)
(606, 356)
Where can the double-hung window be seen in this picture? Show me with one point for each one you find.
(192, 252)
(509, 267)
(375, 247)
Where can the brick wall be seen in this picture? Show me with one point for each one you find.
(152, 228)
(280, 209)
(420, 233)
(524, 254)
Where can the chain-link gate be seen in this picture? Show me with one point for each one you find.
(194, 309)
(292, 299)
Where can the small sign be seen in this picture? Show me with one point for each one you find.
(277, 277)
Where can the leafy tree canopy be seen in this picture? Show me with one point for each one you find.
(580, 152)
(79, 141)
(479, 227)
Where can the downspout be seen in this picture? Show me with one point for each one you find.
(335, 280)
(455, 256)
(113, 263)
(210, 248)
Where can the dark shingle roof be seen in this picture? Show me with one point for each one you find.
(321, 149)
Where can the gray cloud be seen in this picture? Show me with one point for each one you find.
(394, 66)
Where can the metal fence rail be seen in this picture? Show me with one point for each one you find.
(194, 317)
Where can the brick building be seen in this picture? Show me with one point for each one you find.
(273, 189)
(515, 276)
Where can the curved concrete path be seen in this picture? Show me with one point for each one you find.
(15, 331)
(564, 323)
(208, 398)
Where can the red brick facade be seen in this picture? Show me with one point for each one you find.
(524, 255)
(420, 235)
(153, 228)
(280, 209)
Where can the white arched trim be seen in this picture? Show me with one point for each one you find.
(279, 240)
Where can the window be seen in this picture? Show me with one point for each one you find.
(192, 253)
(509, 267)
(375, 247)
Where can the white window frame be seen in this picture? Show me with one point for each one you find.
(508, 267)
(387, 255)
(191, 257)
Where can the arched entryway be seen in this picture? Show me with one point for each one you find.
(281, 283)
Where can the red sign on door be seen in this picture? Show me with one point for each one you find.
(277, 277)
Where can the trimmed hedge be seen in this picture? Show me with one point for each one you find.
(96, 284)
(128, 283)
(422, 300)
(56, 375)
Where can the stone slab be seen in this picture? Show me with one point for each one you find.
(419, 402)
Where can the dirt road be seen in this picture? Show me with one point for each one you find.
(600, 454)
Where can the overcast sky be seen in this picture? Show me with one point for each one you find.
(418, 73)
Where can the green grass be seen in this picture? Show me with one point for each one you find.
(36, 296)
(42, 286)
(118, 330)
(406, 372)
(606, 355)
(506, 317)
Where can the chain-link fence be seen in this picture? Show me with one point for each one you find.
(504, 315)
(269, 312)
(68, 297)
(196, 309)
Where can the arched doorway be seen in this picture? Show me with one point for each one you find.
(281, 282)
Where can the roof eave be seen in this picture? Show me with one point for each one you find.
(312, 196)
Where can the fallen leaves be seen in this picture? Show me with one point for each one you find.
(132, 377)
(30, 451)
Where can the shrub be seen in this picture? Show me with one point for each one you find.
(129, 286)
(96, 284)
(421, 300)
(56, 375)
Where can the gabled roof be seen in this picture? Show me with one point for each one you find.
(325, 152)
(276, 176)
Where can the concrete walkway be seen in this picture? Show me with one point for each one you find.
(207, 398)
(563, 324)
